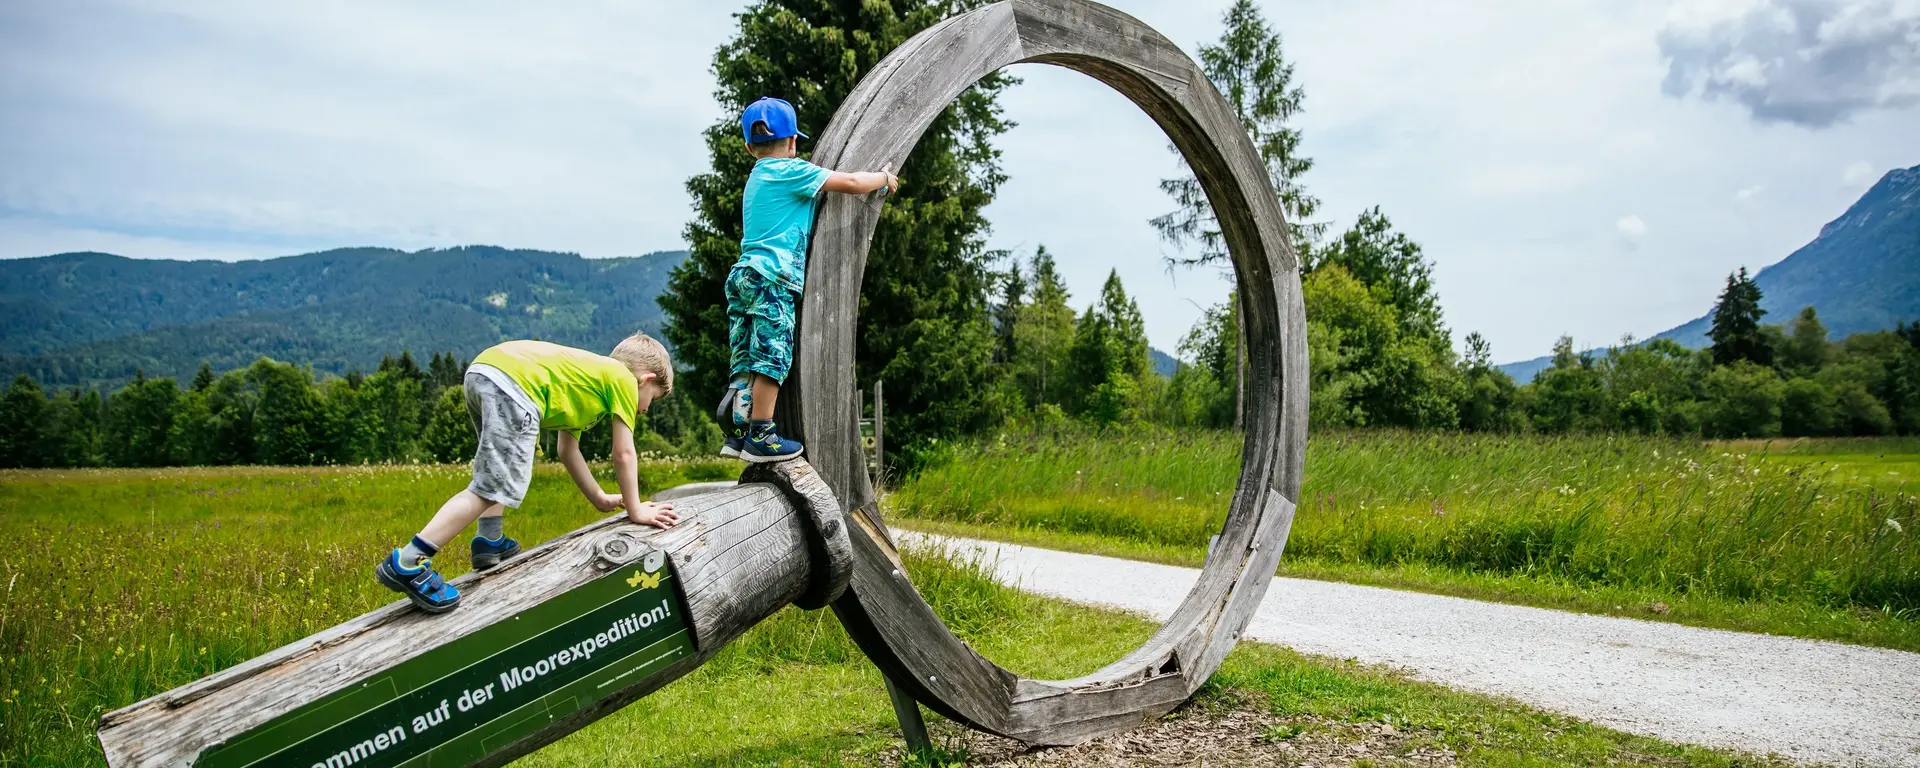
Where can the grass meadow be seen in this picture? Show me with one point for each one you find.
(1817, 540)
(121, 584)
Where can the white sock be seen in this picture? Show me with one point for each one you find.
(416, 550)
(742, 401)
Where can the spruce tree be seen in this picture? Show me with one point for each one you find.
(1249, 68)
(1108, 357)
(203, 378)
(923, 324)
(1736, 324)
(1013, 293)
(1042, 332)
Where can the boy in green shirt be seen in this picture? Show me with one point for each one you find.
(513, 391)
(776, 221)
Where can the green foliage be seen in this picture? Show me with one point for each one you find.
(139, 417)
(1808, 409)
(1392, 266)
(1571, 396)
(1369, 368)
(1743, 400)
(1807, 349)
(1108, 357)
(277, 413)
(923, 325)
(449, 436)
(1868, 384)
(1489, 399)
(1043, 330)
(26, 426)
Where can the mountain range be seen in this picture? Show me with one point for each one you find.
(1862, 273)
(94, 319)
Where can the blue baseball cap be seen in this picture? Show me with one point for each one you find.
(776, 113)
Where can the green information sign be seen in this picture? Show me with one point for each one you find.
(472, 697)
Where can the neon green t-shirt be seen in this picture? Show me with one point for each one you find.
(573, 387)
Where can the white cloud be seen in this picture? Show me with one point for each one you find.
(1858, 174)
(1748, 193)
(1631, 228)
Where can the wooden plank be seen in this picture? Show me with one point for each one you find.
(877, 127)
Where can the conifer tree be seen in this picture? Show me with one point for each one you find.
(1043, 331)
(923, 325)
(203, 378)
(1736, 324)
(1108, 357)
(1249, 68)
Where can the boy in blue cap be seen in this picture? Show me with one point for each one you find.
(763, 286)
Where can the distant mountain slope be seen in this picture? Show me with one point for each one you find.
(93, 319)
(1163, 363)
(1862, 273)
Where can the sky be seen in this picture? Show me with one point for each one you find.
(1584, 167)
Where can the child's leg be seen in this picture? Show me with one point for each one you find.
(771, 359)
(765, 392)
(454, 517)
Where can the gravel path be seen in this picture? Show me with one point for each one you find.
(1808, 700)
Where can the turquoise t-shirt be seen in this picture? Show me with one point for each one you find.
(778, 218)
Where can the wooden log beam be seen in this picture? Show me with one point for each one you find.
(876, 127)
(738, 555)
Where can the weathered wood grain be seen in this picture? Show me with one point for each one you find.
(740, 553)
(877, 127)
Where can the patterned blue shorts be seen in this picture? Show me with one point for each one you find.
(760, 315)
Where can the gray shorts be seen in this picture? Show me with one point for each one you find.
(508, 436)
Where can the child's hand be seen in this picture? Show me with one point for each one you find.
(893, 182)
(606, 502)
(656, 515)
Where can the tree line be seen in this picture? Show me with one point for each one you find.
(274, 412)
(1754, 380)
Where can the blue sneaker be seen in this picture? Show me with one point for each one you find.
(764, 446)
(488, 553)
(422, 585)
(733, 447)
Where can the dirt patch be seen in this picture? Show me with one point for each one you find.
(1238, 733)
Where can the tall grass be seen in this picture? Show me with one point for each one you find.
(121, 584)
(1622, 511)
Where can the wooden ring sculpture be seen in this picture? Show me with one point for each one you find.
(876, 128)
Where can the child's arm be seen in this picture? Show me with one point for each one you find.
(576, 465)
(626, 468)
(862, 182)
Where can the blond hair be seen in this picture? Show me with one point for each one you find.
(764, 147)
(643, 354)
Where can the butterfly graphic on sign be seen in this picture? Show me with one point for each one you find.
(644, 580)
